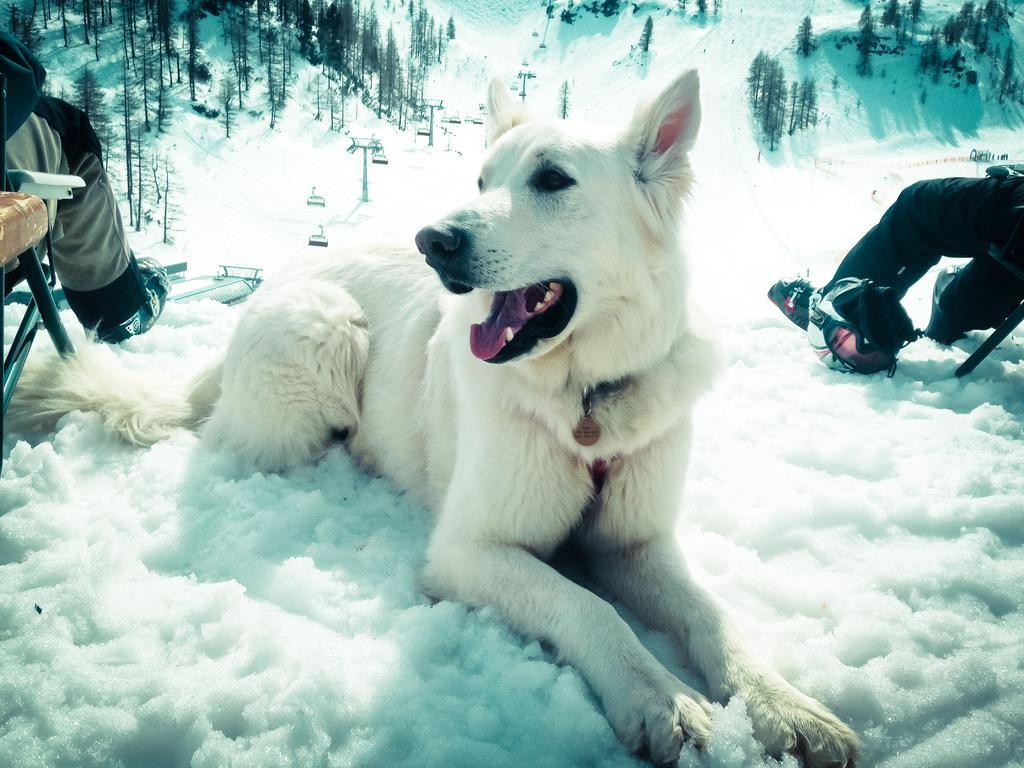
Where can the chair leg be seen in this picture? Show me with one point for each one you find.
(16, 356)
(18, 353)
(1005, 329)
(3, 411)
(44, 299)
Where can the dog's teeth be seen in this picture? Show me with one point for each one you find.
(509, 334)
(548, 298)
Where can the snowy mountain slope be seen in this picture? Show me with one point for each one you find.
(866, 532)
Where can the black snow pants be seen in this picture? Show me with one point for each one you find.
(91, 255)
(957, 218)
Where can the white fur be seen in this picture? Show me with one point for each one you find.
(368, 342)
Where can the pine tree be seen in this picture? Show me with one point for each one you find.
(304, 30)
(563, 99)
(915, 11)
(891, 13)
(766, 83)
(805, 43)
(128, 106)
(140, 157)
(86, 16)
(931, 57)
(866, 42)
(1006, 84)
(773, 105)
(240, 50)
(794, 93)
(89, 98)
(193, 26)
(171, 210)
(808, 102)
(702, 7)
(647, 35)
(147, 52)
(272, 84)
(756, 77)
(63, 20)
(227, 95)
(95, 28)
(451, 28)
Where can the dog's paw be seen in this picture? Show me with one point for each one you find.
(657, 714)
(786, 720)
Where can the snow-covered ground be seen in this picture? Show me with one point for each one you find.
(162, 607)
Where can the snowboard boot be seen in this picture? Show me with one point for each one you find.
(156, 286)
(941, 328)
(793, 298)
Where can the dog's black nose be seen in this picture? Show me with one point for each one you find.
(440, 243)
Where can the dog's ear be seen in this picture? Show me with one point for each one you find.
(502, 111)
(662, 132)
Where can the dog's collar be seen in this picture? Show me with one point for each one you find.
(600, 391)
(587, 431)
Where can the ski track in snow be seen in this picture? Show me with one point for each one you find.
(866, 533)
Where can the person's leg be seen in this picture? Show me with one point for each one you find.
(35, 147)
(101, 280)
(982, 293)
(93, 260)
(930, 219)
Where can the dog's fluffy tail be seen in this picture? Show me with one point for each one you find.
(140, 406)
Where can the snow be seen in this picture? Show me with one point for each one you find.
(866, 532)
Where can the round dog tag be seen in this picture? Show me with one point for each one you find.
(587, 431)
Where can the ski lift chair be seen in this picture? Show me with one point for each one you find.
(24, 226)
(251, 275)
(423, 131)
(319, 240)
(1011, 256)
(316, 200)
(379, 158)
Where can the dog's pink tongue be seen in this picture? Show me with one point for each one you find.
(508, 310)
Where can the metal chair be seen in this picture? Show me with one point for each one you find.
(1010, 256)
(24, 225)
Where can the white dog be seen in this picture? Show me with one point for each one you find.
(545, 399)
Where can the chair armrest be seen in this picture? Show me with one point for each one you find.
(23, 223)
(48, 186)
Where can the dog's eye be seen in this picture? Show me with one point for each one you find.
(551, 180)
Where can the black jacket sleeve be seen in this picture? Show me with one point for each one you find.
(25, 77)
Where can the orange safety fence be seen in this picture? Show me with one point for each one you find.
(827, 161)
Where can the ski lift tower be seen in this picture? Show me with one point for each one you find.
(373, 145)
(524, 75)
(432, 104)
(550, 11)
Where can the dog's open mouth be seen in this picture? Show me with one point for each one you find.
(519, 319)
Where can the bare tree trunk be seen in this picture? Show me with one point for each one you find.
(63, 20)
(167, 199)
(126, 104)
(145, 83)
(139, 158)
